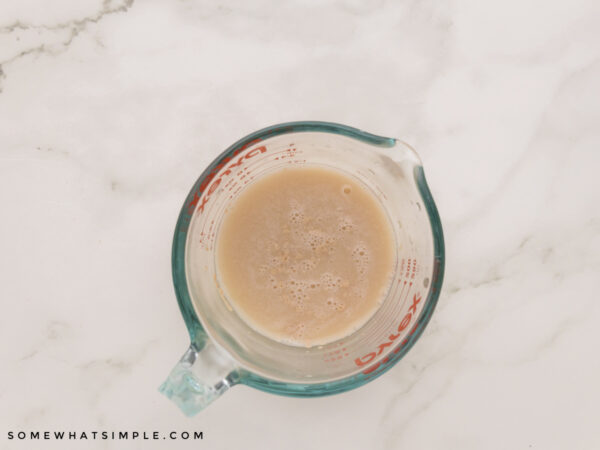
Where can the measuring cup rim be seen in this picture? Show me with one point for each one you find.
(195, 329)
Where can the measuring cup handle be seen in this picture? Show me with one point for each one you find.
(200, 377)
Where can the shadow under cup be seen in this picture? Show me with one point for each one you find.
(393, 173)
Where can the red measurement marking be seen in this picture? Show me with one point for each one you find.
(211, 181)
(404, 323)
(284, 154)
(415, 270)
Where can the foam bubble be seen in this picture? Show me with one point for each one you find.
(314, 239)
(360, 251)
(275, 261)
(345, 225)
(296, 217)
(308, 264)
(329, 282)
(360, 256)
(359, 290)
(298, 333)
(335, 304)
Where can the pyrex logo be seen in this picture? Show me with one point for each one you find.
(404, 323)
(202, 195)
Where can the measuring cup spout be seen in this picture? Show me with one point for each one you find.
(202, 375)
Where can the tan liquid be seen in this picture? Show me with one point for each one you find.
(305, 255)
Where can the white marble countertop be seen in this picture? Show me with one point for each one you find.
(110, 110)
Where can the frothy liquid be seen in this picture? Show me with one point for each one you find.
(305, 255)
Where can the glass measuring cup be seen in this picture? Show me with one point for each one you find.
(224, 350)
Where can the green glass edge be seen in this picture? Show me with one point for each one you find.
(197, 333)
